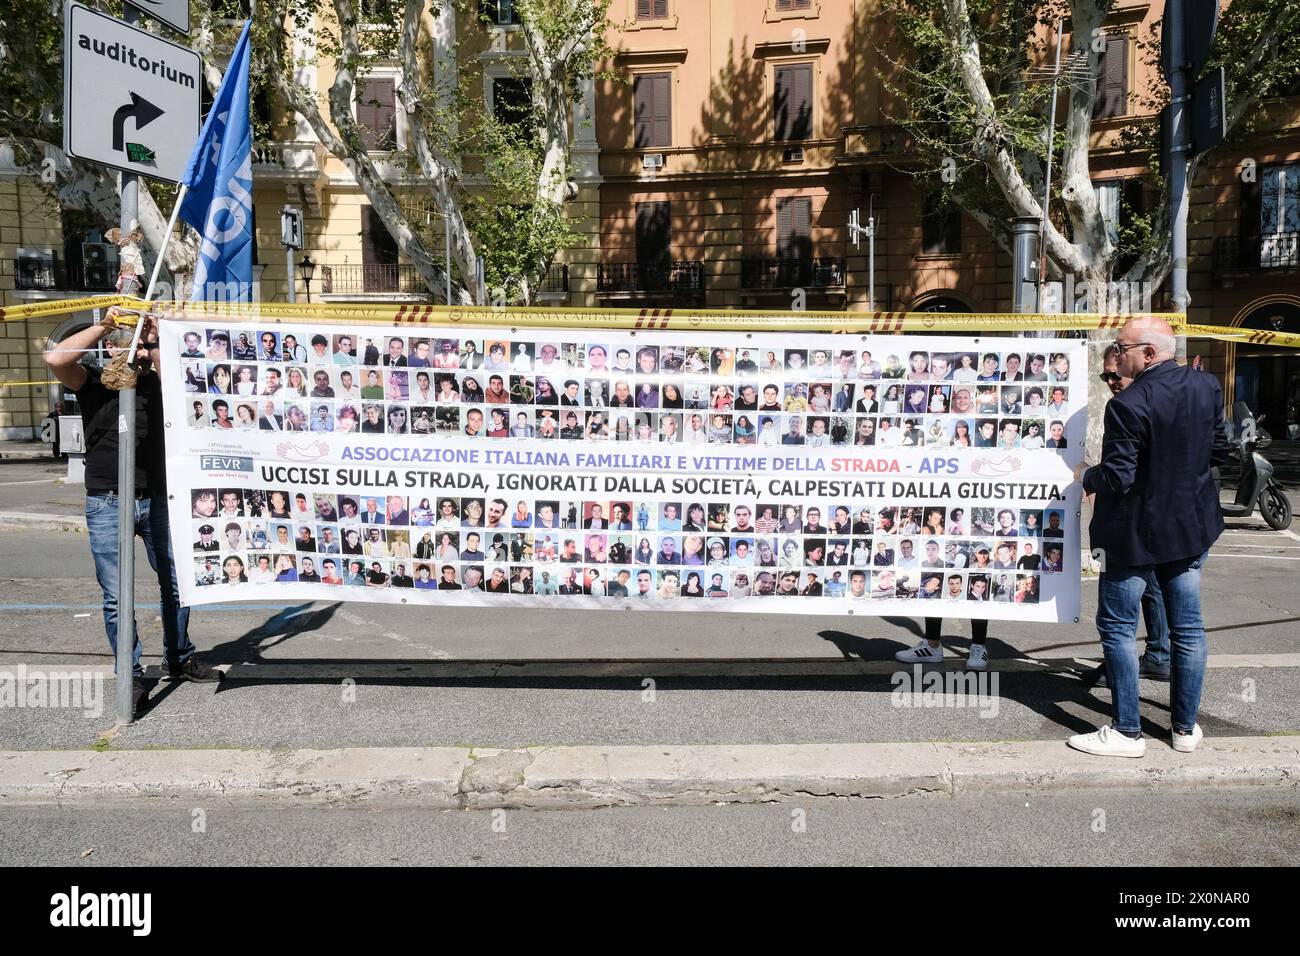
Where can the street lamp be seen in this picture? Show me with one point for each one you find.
(308, 269)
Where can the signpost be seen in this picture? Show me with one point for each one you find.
(1209, 112)
(130, 99)
(174, 13)
(131, 102)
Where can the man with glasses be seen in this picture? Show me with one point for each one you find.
(1155, 515)
(1154, 662)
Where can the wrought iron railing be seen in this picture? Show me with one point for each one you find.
(685, 277)
(371, 278)
(46, 275)
(1279, 250)
(788, 272)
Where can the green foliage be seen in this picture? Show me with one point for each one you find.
(31, 74)
(1254, 44)
(943, 123)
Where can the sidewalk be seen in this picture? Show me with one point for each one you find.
(585, 777)
(25, 451)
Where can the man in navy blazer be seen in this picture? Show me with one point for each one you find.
(1155, 516)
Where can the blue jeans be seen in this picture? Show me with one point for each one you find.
(151, 525)
(1119, 601)
(1153, 615)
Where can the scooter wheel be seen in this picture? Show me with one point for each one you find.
(1275, 508)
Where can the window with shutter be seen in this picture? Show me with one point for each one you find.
(652, 97)
(794, 228)
(940, 228)
(784, 5)
(652, 9)
(378, 254)
(1112, 80)
(653, 233)
(792, 102)
(377, 113)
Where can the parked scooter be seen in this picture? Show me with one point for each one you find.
(1256, 488)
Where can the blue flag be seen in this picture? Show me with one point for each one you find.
(219, 201)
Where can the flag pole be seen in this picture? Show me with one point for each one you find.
(157, 266)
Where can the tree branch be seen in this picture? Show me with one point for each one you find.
(991, 145)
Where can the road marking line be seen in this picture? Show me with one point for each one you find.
(41, 481)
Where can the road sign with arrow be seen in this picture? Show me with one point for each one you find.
(130, 99)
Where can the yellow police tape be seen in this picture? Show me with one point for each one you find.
(45, 310)
(703, 320)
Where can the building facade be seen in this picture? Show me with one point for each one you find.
(719, 168)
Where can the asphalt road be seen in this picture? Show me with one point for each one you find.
(704, 692)
(1207, 828)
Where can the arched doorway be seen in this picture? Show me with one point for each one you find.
(1267, 378)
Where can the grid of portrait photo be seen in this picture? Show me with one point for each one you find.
(625, 548)
(540, 385)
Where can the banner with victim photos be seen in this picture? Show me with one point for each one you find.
(768, 472)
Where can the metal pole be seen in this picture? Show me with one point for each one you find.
(1024, 257)
(871, 263)
(126, 479)
(288, 265)
(1047, 179)
(1175, 22)
(446, 238)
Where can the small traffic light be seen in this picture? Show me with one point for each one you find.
(291, 227)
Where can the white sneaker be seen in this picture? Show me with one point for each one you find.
(1186, 743)
(978, 659)
(1108, 742)
(923, 653)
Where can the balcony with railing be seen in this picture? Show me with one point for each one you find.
(51, 275)
(292, 163)
(1278, 251)
(373, 279)
(792, 272)
(682, 280)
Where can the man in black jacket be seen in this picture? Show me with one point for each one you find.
(1155, 516)
(99, 413)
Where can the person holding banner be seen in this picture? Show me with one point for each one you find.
(1156, 514)
(99, 415)
(1154, 662)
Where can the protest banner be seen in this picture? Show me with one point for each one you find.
(572, 468)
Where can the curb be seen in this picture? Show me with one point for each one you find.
(40, 522)
(586, 777)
